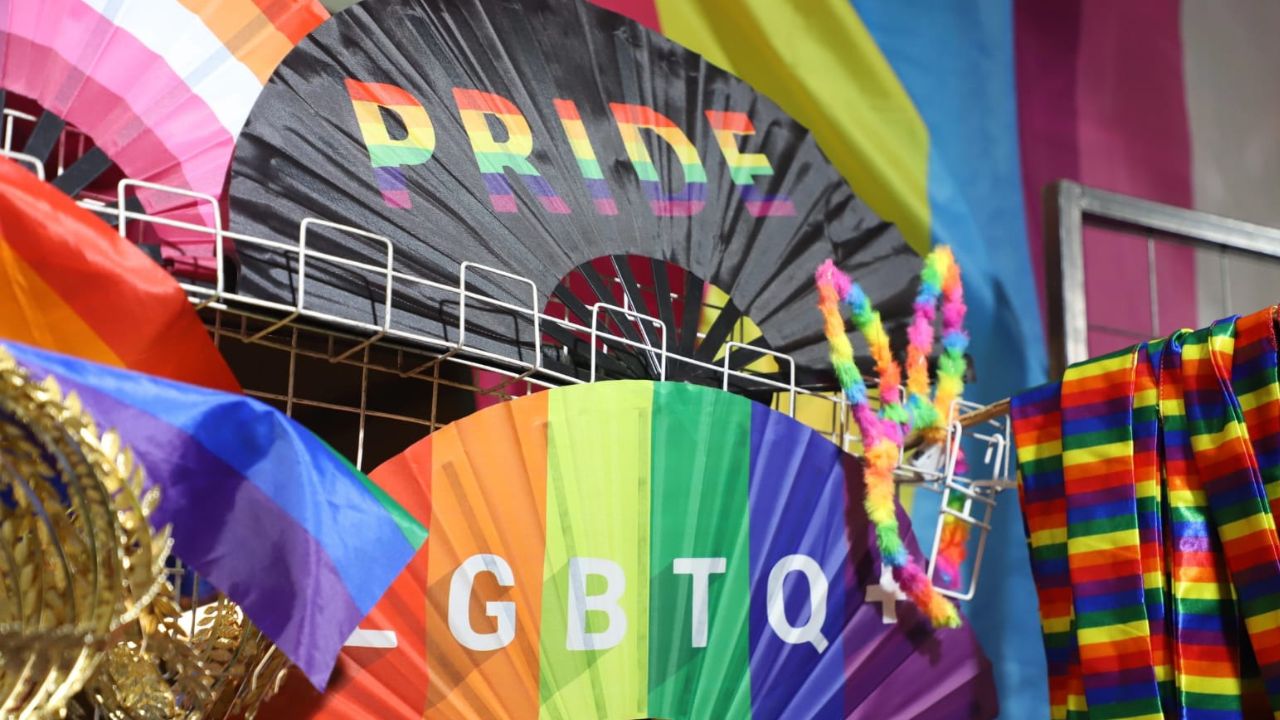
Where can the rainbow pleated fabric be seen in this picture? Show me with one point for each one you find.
(266, 511)
(1147, 482)
(644, 487)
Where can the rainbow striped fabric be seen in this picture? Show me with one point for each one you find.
(269, 513)
(1147, 482)
(1207, 669)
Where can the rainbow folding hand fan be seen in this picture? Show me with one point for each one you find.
(161, 87)
(634, 549)
(564, 143)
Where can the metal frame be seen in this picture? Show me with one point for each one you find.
(1069, 206)
(980, 496)
(462, 304)
(10, 119)
(32, 162)
(636, 316)
(781, 358)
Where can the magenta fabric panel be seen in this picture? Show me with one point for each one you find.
(1116, 290)
(489, 379)
(1046, 45)
(1134, 138)
(644, 12)
(1131, 101)
(1102, 101)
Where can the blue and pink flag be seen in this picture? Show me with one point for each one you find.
(261, 507)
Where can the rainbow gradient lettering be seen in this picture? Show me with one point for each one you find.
(744, 167)
(690, 200)
(389, 155)
(494, 157)
(580, 143)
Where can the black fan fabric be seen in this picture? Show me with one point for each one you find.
(302, 154)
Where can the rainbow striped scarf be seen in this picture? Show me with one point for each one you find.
(1233, 485)
(1148, 479)
(1037, 424)
(1103, 547)
(1208, 671)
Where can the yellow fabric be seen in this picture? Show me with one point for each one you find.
(745, 331)
(835, 81)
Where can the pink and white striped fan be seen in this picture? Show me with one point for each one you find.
(162, 87)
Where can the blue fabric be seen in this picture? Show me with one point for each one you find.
(293, 467)
(797, 491)
(956, 61)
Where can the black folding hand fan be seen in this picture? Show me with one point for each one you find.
(550, 139)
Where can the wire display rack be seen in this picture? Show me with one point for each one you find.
(372, 389)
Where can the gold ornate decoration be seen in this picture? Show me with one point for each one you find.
(89, 620)
(210, 662)
(78, 558)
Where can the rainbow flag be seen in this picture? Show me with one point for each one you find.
(71, 284)
(268, 512)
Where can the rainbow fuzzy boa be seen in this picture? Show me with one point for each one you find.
(940, 280)
(884, 432)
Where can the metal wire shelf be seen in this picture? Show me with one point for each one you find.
(426, 366)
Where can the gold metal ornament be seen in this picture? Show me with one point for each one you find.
(78, 557)
(210, 662)
(90, 623)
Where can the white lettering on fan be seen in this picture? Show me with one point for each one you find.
(609, 602)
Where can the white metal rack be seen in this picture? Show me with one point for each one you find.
(420, 360)
(71, 142)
